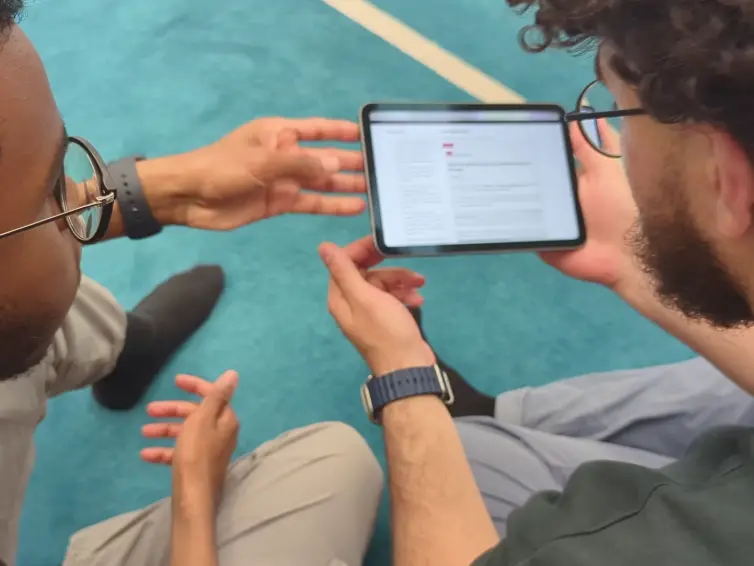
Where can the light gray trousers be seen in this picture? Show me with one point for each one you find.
(539, 436)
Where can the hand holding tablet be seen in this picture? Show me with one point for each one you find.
(470, 178)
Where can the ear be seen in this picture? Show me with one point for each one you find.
(735, 178)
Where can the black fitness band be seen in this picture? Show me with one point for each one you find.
(138, 220)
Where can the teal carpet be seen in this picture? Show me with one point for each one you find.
(157, 77)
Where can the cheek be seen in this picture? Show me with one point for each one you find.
(43, 285)
(639, 166)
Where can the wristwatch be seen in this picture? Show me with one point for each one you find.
(380, 391)
(138, 220)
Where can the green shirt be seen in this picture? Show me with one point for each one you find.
(698, 511)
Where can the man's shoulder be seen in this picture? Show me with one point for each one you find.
(697, 511)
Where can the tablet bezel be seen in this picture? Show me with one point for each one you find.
(449, 249)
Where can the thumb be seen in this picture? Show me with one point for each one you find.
(299, 166)
(221, 393)
(610, 138)
(584, 153)
(342, 269)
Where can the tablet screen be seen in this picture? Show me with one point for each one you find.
(481, 177)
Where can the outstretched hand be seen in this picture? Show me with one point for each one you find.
(261, 170)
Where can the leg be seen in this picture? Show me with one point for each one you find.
(512, 463)
(659, 409)
(156, 329)
(308, 497)
(120, 353)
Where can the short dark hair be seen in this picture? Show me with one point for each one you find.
(691, 60)
(9, 12)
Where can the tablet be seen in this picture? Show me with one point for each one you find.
(467, 178)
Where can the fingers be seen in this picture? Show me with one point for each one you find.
(395, 277)
(319, 129)
(400, 283)
(222, 392)
(313, 203)
(316, 169)
(171, 409)
(351, 183)
(364, 253)
(158, 455)
(582, 150)
(344, 273)
(162, 430)
(409, 297)
(299, 166)
(585, 153)
(193, 385)
(350, 159)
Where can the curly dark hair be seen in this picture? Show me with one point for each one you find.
(9, 12)
(691, 60)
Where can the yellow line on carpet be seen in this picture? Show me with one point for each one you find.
(450, 67)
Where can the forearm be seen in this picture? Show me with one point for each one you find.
(161, 183)
(731, 351)
(193, 541)
(438, 516)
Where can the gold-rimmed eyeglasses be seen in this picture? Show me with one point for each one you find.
(83, 194)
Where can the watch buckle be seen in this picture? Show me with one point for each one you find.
(447, 391)
(366, 401)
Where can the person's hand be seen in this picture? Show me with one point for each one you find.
(609, 213)
(205, 441)
(369, 306)
(256, 172)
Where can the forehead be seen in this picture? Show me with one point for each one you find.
(30, 124)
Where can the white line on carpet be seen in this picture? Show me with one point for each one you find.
(450, 67)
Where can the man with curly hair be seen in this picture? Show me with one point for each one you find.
(61, 331)
(649, 467)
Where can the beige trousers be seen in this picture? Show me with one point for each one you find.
(308, 497)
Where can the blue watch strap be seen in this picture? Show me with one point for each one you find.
(381, 391)
(138, 220)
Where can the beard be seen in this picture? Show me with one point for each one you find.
(684, 266)
(23, 343)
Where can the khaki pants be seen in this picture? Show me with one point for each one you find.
(308, 497)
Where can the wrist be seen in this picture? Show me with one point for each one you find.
(382, 363)
(193, 501)
(166, 182)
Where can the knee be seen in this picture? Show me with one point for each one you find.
(351, 455)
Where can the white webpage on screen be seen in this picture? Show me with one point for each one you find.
(463, 183)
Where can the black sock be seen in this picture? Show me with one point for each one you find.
(156, 328)
(468, 401)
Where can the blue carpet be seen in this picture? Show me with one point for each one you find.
(158, 77)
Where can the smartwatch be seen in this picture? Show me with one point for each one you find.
(138, 220)
(378, 392)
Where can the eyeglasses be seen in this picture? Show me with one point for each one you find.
(81, 193)
(596, 103)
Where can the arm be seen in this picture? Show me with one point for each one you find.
(438, 516)
(161, 183)
(732, 351)
(200, 459)
(193, 540)
(256, 172)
